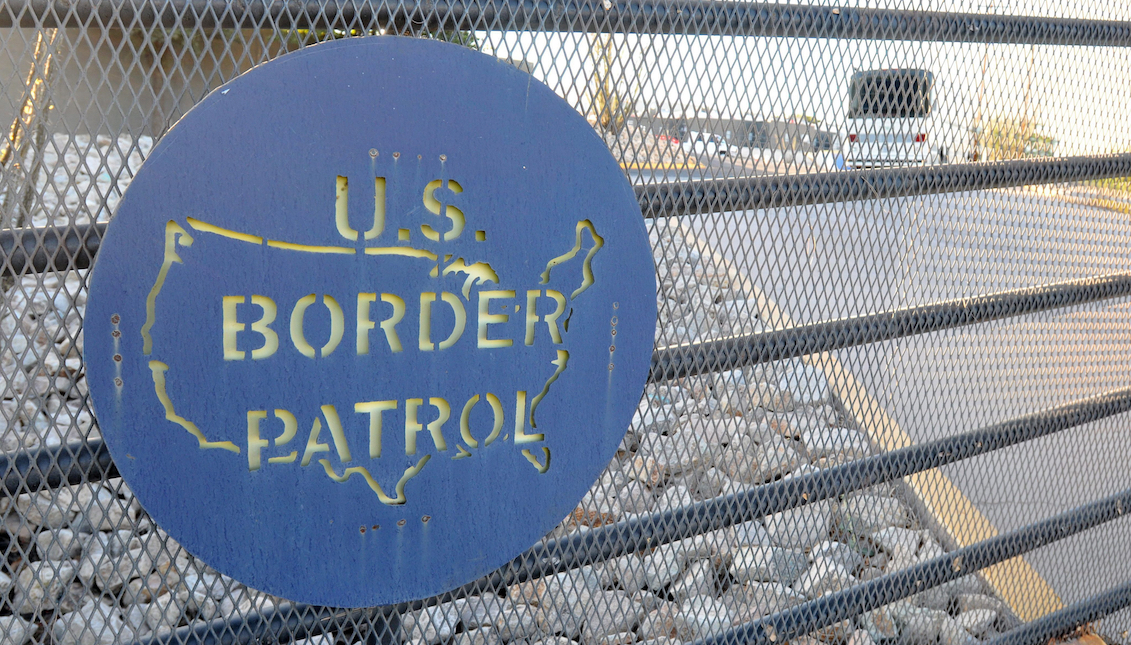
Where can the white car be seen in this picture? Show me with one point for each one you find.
(700, 143)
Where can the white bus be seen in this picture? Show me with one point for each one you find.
(889, 119)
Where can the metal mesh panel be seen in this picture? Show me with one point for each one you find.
(886, 402)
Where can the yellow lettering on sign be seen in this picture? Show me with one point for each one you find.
(339, 435)
(465, 420)
(551, 319)
(453, 301)
(263, 327)
(451, 212)
(461, 319)
(298, 338)
(561, 362)
(486, 318)
(587, 264)
(313, 446)
(290, 429)
(520, 435)
(374, 410)
(337, 325)
(541, 467)
(412, 425)
(389, 325)
(531, 313)
(378, 209)
(341, 209)
(254, 444)
(426, 300)
(231, 328)
(364, 324)
(158, 369)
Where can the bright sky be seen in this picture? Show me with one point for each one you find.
(1077, 95)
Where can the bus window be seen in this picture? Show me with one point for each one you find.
(890, 93)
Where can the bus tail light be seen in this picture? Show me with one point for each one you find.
(852, 138)
(921, 137)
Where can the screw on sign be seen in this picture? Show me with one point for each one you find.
(355, 346)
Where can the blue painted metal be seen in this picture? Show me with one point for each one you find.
(252, 203)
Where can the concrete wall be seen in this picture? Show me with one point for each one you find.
(111, 82)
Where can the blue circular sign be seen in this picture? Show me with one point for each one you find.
(370, 321)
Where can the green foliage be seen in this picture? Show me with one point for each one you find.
(1014, 138)
(159, 41)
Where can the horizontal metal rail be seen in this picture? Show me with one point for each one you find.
(49, 249)
(1062, 622)
(730, 353)
(750, 193)
(285, 623)
(615, 540)
(835, 607)
(64, 249)
(30, 470)
(624, 16)
(69, 464)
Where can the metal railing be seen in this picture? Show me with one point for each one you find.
(28, 251)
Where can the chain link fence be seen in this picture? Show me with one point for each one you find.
(891, 243)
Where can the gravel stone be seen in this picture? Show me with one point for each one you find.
(966, 602)
(15, 630)
(805, 384)
(44, 510)
(880, 624)
(554, 640)
(432, 624)
(840, 443)
(635, 497)
(751, 533)
(515, 622)
(565, 622)
(705, 615)
(661, 567)
(920, 625)
(58, 544)
(665, 622)
(611, 612)
(869, 513)
(897, 540)
(835, 633)
(478, 636)
(767, 564)
(824, 575)
(700, 579)
(92, 624)
(952, 633)
(754, 600)
(802, 527)
(623, 638)
(39, 585)
(977, 621)
(838, 552)
(476, 611)
(630, 573)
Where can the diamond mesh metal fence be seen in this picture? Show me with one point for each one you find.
(888, 390)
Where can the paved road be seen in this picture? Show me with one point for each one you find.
(832, 261)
